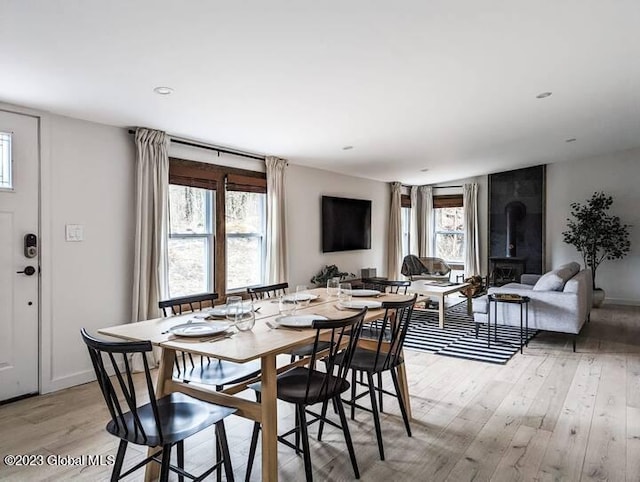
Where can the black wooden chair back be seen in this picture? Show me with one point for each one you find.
(186, 304)
(391, 331)
(336, 357)
(387, 286)
(269, 291)
(119, 353)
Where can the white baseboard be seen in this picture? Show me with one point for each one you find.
(70, 381)
(621, 301)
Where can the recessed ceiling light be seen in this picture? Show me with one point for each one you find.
(163, 90)
(424, 170)
(572, 139)
(347, 148)
(543, 95)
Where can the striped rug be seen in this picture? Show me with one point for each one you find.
(458, 338)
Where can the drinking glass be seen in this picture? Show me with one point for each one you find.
(333, 286)
(233, 307)
(302, 297)
(287, 305)
(246, 317)
(344, 294)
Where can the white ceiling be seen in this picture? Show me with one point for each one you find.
(446, 85)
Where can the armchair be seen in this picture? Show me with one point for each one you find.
(428, 268)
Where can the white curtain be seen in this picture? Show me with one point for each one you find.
(413, 224)
(150, 252)
(425, 224)
(394, 260)
(276, 222)
(472, 247)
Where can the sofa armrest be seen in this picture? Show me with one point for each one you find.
(530, 279)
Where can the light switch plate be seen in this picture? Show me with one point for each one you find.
(74, 232)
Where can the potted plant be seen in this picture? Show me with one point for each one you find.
(328, 272)
(597, 235)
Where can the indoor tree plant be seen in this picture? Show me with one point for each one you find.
(597, 235)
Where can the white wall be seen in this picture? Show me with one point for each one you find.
(616, 174)
(304, 188)
(88, 179)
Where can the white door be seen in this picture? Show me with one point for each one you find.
(19, 191)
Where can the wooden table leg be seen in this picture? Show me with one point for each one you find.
(165, 372)
(469, 304)
(441, 310)
(404, 387)
(269, 410)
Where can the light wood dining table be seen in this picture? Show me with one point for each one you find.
(262, 342)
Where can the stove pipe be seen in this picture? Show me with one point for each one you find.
(514, 212)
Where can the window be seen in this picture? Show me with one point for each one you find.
(449, 227)
(246, 246)
(217, 228)
(6, 180)
(191, 240)
(405, 221)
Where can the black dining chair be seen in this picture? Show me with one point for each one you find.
(387, 357)
(305, 386)
(387, 286)
(163, 423)
(268, 291)
(209, 371)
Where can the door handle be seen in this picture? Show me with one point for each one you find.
(28, 270)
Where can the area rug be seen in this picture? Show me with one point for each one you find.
(458, 339)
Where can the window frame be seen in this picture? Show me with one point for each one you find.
(220, 179)
(444, 202)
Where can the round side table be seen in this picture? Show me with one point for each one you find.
(523, 301)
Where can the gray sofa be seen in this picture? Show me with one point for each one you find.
(560, 301)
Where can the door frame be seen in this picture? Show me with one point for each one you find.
(45, 374)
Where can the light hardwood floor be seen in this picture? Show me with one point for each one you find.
(549, 414)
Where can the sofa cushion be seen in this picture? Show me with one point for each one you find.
(568, 271)
(550, 281)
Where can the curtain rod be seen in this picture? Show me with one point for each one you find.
(435, 187)
(209, 147)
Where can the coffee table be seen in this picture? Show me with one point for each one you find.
(439, 290)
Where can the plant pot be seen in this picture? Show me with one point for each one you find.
(598, 297)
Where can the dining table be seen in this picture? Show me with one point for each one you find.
(263, 342)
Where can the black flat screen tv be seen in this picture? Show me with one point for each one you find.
(346, 224)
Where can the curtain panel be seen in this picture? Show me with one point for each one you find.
(150, 249)
(394, 259)
(472, 246)
(276, 221)
(425, 221)
(413, 223)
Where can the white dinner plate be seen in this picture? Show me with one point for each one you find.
(299, 321)
(221, 310)
(200, 328)
(300, 297)
(359, 304)
(359, 293)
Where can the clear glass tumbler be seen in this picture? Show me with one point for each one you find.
(287, 305)
(333, 287)
(246, 317)
(233, 308)
(344, 293)
(302, 296)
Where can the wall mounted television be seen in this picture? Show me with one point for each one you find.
(346, 224)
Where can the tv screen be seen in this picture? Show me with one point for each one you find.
(346, 224)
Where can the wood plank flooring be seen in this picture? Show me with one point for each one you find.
(549, 414)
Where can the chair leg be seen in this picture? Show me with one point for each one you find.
(180, 453)
(323, 415)
(403, 408)
(166, 462)
(376, 415)
(347, 437)
(353, 393)
(117, 466)
(252, 450)
(221, 435)
(218, 457)
(380, 392)
(574, 342)
(297, 432)
(305, 442)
